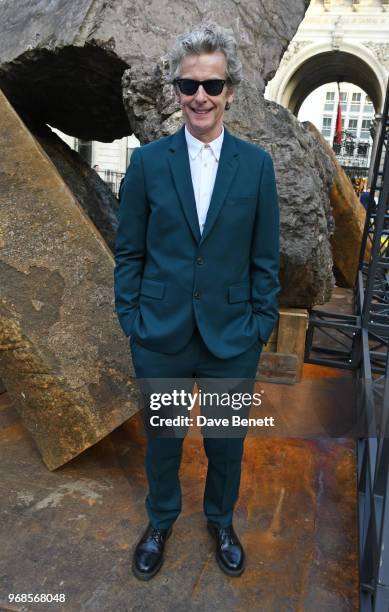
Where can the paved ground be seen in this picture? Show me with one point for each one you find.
(72, 531)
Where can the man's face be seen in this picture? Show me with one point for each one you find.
(203, 113)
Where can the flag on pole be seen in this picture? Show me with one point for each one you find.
(338, 127)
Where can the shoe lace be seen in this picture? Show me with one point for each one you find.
(226, 533)
(157, 535)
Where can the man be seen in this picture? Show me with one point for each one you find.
(196, 277)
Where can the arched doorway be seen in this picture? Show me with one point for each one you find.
(328, 67)
(307, 66)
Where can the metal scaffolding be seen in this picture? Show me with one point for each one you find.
(360, 342)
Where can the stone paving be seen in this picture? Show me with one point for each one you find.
(72, 531)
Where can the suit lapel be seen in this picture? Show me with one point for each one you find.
(228, 166)
(180, 168)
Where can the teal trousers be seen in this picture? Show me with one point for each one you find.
(163, 455)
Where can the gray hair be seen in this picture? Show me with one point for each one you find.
(207, 38)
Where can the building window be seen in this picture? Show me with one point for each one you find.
(368, 106)
(355, 103)
(365, 129)
(330, 100)
(84, 147)
(352, 127)
(343, 100)
(326, 128)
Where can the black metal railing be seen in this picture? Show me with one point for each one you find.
(372, 303)
(113, 179)
(352, 152)
(362, 344)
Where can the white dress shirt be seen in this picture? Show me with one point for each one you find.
(203, 159)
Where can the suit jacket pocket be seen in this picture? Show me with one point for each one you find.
(152, 288)
(241, 201)
(238, 293)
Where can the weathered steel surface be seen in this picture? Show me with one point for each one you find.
(69, 55)
(90, 191)
(63, 357)
(73, 531)
(349, 217)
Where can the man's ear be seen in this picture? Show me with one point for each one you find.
(229, 99)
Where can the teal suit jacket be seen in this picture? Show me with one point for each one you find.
(169, 278)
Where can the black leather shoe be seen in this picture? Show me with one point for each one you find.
(229, 551)
(148, 555)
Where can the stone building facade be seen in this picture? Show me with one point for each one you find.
(338, 40)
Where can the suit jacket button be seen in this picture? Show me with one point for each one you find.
(196, 295)
(200, 261)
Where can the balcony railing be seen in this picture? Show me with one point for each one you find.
(113, 179)
(352, 152)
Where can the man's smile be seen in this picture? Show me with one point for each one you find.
(200, 111)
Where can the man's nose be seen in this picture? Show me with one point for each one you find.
(200, 94)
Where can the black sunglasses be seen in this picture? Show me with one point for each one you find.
(188, 87)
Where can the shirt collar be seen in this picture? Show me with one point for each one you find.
(195, 146)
